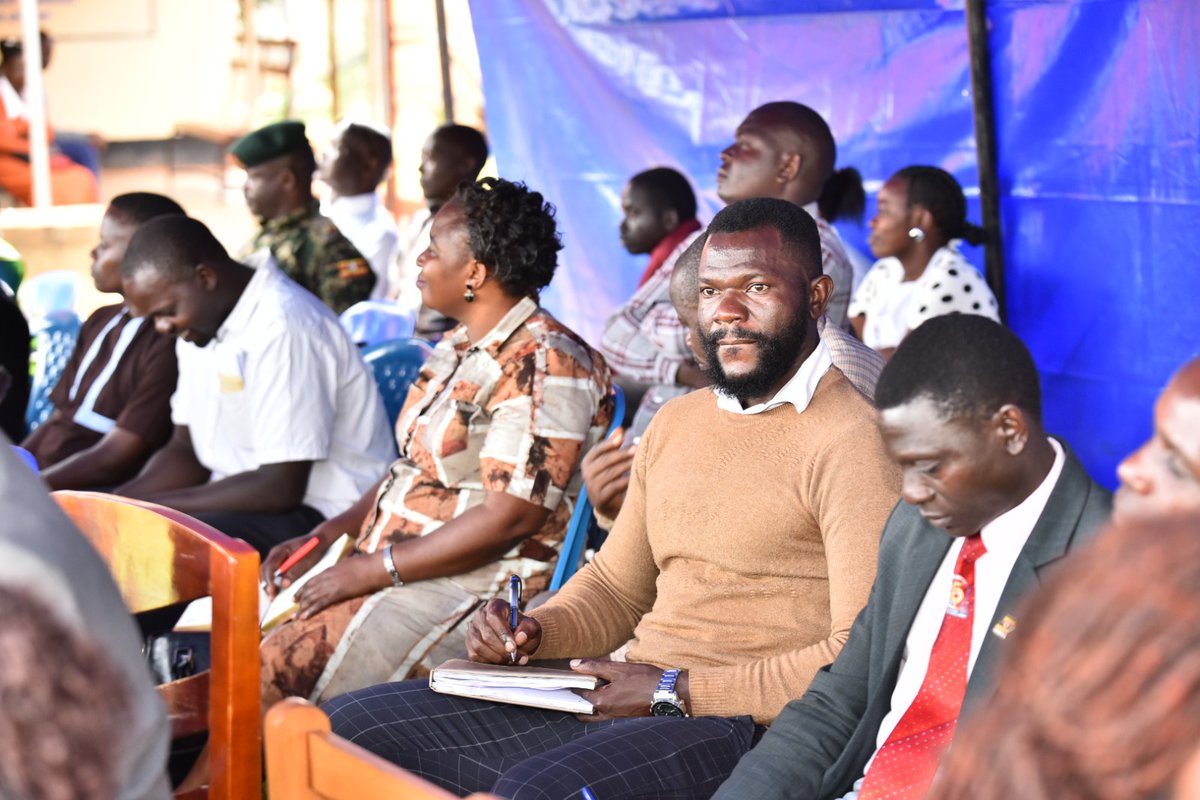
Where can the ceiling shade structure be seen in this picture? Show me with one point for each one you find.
(1096, 108)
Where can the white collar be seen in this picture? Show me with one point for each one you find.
(355, 205)
(1012, 528)
(812, 209)
(243, 310)
(798, 390)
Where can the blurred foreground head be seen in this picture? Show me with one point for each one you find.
(1099, 698)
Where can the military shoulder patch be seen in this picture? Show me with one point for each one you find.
(352, 268)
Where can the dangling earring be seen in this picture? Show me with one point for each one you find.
(469, 295)
(916, 234)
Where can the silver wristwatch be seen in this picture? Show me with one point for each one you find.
(666, 702)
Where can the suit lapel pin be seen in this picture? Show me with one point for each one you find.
(1004, 627)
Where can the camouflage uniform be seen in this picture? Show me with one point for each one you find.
(315, 254)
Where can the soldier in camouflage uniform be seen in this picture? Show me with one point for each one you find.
(307, 246)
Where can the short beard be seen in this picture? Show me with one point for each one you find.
(776, 357)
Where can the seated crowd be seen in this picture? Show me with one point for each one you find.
(835, 521)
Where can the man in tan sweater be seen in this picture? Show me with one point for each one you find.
(745, 548)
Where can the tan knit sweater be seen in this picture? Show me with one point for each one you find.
(744, 551)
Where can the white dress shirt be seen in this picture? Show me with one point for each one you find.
(1004, 537)
(283, 382)
(371, 229)
(798, 390)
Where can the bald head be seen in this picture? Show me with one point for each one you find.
(803, 129)
(1163, 475)
(783, 150)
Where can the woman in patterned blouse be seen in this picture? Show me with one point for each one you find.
(490, 441)
(920, 273)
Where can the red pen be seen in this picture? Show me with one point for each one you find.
(294, 559)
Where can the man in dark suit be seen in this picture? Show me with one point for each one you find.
(989, 503)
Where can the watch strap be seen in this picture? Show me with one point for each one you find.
(666, 701)
(667, 682)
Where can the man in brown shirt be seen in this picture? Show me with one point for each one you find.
(744, 550)
(112, 405)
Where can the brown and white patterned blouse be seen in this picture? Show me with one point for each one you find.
(513, 413)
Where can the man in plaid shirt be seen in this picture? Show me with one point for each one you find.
(644, 342)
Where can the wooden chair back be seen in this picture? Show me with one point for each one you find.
(307, 761)
(159, 557)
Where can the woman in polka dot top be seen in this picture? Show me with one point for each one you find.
(920, 273)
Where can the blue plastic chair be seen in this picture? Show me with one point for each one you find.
(577, 529)
(396, 365)
(28, 458)
(49, 293)
(373, 322)
(54, 337)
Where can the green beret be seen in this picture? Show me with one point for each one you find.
(272, 141)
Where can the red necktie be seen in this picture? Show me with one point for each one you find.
(905, 765)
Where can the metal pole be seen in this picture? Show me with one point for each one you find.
(379, 60)
(249, 104)
(35, 104)
(389, 101)
(444, 55)
(335, 100)
(985, 146)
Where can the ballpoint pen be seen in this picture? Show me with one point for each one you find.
(294, 559)
(515, 587)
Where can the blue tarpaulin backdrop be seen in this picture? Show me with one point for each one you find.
(1098, 116)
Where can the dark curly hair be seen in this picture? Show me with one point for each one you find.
(512, 233)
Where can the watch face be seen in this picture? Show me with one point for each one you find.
(663, 708)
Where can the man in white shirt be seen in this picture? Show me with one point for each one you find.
(452, 154)
(989, 503)
(278, 423)
(353, 166)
